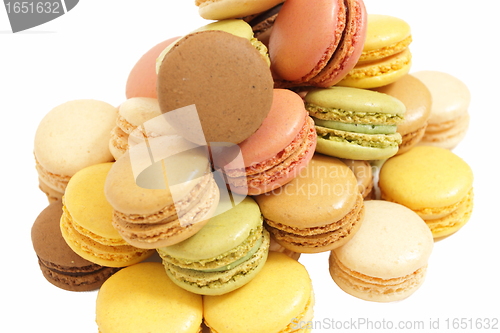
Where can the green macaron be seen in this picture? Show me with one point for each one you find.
(224, 255)
(354, 123)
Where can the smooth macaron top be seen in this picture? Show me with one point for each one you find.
(141, 298)
(355, 100)
(426, 177)
(132, 191)
(222, 233)
(85, 201)
(416, 98)
(393, 241)
(268, 303)
(141, 81)
(284, 121)
(225, 9)
(138, 110)
(75, 135)
(48, 242)
(303, 34)
(450, 96)
(384, 31)
(323, 193)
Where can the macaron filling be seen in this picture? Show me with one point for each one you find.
(385, 51)
(348, 116)
(358, 128)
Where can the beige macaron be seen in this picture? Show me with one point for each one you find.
(364, 175)
(387, 258)
(72, 136)
(129, 130)
(163, 203)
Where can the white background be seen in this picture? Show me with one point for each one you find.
(89, 52)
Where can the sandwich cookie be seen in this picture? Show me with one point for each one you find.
(151, 210)
(417, 100)
(59, 264)
(132, 114)
(277, 151)
(449, 119)
(227, 253)
(227, 9)
(279, 299)
(355, 123)
(387, 258)
(434, 183)
(386, 56)
(316, 43)
(70, 137)
(364, 175)
(86, 222)
(186, 77)
(141, 298)
(276, 247)
(318, 211)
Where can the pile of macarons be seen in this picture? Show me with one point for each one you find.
(284, 127)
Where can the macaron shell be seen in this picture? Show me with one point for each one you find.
(384, 31)
(138, 110)
(426, 177)
(150, 302)
(52, 194)
(364, 174)
(448, 138)
(226, 9)
(353, 151)
(283, 288)
(141, 81)
(75, 135)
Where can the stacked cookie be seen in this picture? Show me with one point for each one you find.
(230, 149)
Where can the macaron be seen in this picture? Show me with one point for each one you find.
(364, 175)
(276, 247)
(387, 259)
(132, 114)
(279, 299)
(319, 210)
(70, 137)
(141, 298)
(227, 253)
(417, 100)
(316, 43)
(141, 81)
(86, 222)
(434, 183)
(356, 124)
(449, 119)
(162, 203)
(227, 9)
(231, 105)
(274, 155)
(59, 264)
(386, 56)
(262, 23)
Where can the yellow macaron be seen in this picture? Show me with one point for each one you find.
(86, 221)
(141, 298)
(433, 182)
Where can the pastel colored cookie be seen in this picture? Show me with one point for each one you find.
(59, 264)
(150, 210)
(86, 222)
(227, 253)
(449, 119)
(141, 298)
(356, 124)
(222, 101)
(433, 182)
(227, 9)
(277, 151)
(386, 56)
(70, 137)
(417, 100)
(132, 114)
(276, 247)
(387, 258)
(274, 301)
(332, 215)
(316, 43)
(141, 81)
(364, 174)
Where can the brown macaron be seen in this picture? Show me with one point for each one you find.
(60, 265)
(224, 77)
(418, 100)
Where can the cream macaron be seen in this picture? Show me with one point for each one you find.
(387, 258)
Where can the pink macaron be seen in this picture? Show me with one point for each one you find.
(274, 155)
(317, 42)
